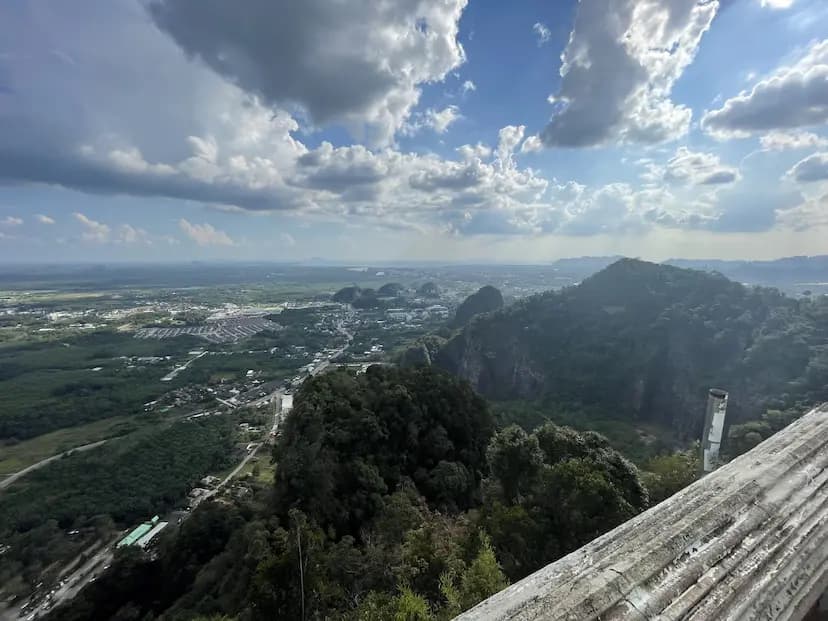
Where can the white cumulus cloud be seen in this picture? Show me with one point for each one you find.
(809, 214)
(531, 144)
(11, 221)
(791, 140)
(472, 151)
(790, 97)
(94, 231)
(436, 120)
(205, 234)
(128, 234)
(698, 168)
(44, 219)
(777, 4)
(542, 31)
(812, 168)
(619, 68)
(439, 120)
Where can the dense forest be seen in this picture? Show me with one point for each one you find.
(50, 385)
(90, 493)
(400, 498)
(643, 342)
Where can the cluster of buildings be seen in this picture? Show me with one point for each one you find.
(219, 331)
(408, 315)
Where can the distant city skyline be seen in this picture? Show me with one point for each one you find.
(436, 130)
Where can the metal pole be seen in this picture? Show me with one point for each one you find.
(301, 570)
(713, 429)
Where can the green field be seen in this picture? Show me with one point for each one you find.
(50, 386)
(28, 452)
(260, 469)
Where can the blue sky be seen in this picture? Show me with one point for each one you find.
(430, 129)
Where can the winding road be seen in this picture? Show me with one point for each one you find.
(13, 477)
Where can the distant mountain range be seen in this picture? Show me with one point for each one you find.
(792, 274)
(803, 271)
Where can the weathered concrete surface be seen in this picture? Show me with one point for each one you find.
(749, 541)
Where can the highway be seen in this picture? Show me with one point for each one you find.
(68, 588)
(171, 375)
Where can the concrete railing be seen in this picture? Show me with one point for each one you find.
(749, 541)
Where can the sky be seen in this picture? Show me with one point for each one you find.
(447, 130)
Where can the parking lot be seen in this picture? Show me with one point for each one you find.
(220, 331)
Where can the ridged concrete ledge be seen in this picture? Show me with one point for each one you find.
(749, 541)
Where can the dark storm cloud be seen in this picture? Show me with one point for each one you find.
(619, 66)
(356, 61)
(279, 50)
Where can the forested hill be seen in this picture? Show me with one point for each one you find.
(395, 498)
(645, 341)
(485, 300)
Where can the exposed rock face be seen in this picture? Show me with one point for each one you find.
(643, 341)
(485, 300)
(422, 353)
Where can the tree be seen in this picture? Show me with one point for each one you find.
(411, 607)
(352, 440)
(742, 438)
(515, 459)
(483, 577)
(557, 489)
(665, 475)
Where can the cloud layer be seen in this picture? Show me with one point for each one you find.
(245, 111)
(204, 234)
(360, 62)
(619, 68)
(790, 97)
(812, 168)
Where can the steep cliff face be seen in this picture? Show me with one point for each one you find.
(493, 358)
(644, 341)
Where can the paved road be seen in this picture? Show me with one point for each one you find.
(13, 477)
(70, 587)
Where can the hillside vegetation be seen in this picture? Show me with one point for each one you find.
(400, 499)
(643, 342)
(486, 300)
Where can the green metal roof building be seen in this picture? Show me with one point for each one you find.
(138, 532)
